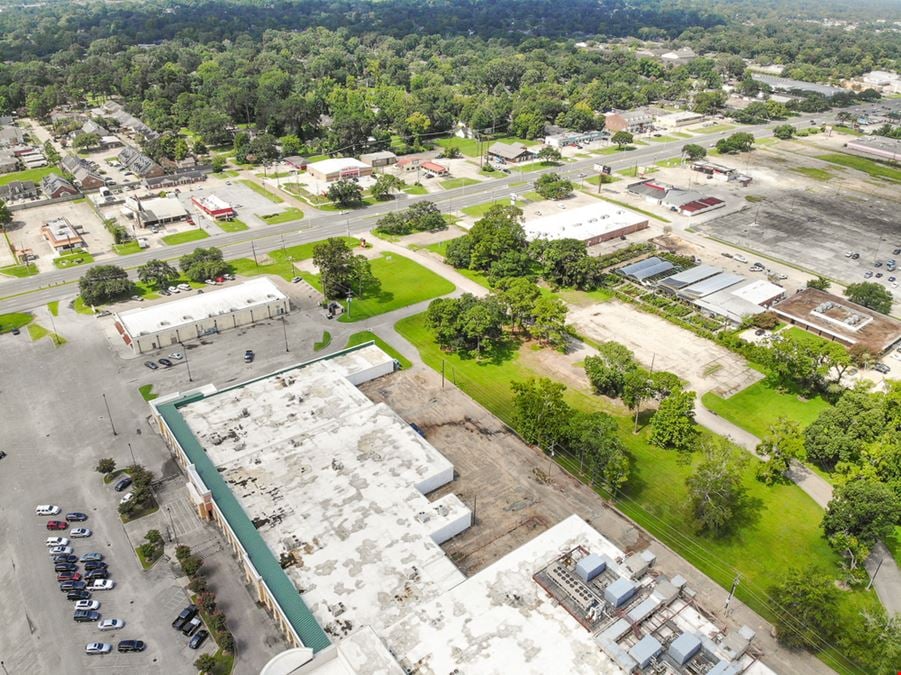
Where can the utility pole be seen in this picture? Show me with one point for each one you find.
(187, 365)
(731, 592)
(109, 415)
(253, 250)
(878, 567)
(285, 329)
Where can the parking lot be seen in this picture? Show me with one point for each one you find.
(249, 205)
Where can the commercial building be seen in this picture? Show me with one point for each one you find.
(8, 162)
(685, 202)
(175, 179)
(62, 235)
(376, 159)
(724, 294)
(214, 207)
(18, 190)
(883, 81)
(55, 186)
(634, 121)
(337, 168)
(509, 153)
(647, 270)
(171, 322)
(786, 84)
(836, 318)
(683, 118)
(296, 162)
(591, 224)
(564, 139)
(877, 147)
(435, 168)
(154, 211)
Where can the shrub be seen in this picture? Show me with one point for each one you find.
(191, 565)
(182, 552)
(106, 465)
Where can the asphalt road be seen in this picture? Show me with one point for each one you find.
(38, 290)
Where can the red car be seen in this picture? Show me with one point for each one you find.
(57, 525)
(68, 576)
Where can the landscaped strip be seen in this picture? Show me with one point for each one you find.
(184, 237)
(285, 216)
(260, 190)
(875, 169)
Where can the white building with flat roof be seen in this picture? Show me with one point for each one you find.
(591, 224)
(336, 168)
(171, 322)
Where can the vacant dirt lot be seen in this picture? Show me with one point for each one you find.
(703, 364)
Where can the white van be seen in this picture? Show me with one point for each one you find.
(46, 510)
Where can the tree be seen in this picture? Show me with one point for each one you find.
(820, 283)
(419, 217)
(518, 297)
(862, 508)
(342, 273)
(157, 273)
(105, 283)
(637, 387)
(552, 186)
(86, 140)
(807, 608)
(622, 139)
(780, 446)
(549, 154)
(154, 537)
(527, 125)
(673, 425)
(738, 142)
(607, 370)
(708, 102)
(182, 552)
(205, 663)
(693, 152)
(872, 295)
(218, 164)
(106, 465)
(466, 324)
(345, 192)
(191, 565)
(784, 132)
(496, 244)
(384, 185)
(198, 584)
(203, 263)
(6, 216)
(418, 124)
(862, 356)
(565, 262)
(453, 152)
(541, 413)
(549, 321)
(595, 437)
(839, 432)
(715, 488)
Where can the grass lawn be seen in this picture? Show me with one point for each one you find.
(768, 140)
(680, 134)
(847, 130)
(416, 190)
(73, 259)
(246, 267)
(716, 128)
(440, 248)
(36, 331)
(233, 225)
(404, 283)
(146, 391)
(755, 408)
(629, 206)
(324, 342)
(53, 307)
(663, 139)
(585, 298)
(185, 237)
(260, 190)
(893, 543)
(534, 166)
(367, 336)
(875, 169)
(611, 150)
(285, 216)
(593, 180)
(633, 172)
(19, 270)
(34, 175)
(304, 251)
(813, 172)
(452, 183)
(15, 320)
(754, 198)
(80, 307)
(670, 163)
(479, 210)
(532, 196)
(335, 208)
(127, 248)
(782, 527)
(147, 563)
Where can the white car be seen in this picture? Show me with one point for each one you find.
(127, 498)
(60, 550)
(102, 585)
(177, 356)
(80, 532)
(173, 289)
(57, 541)
(185, 287)
(46, 510)
(98, 648)
(111, 624)
(89, 605)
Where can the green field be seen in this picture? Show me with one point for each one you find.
(633, 172)
(73, 259)
(304, 251)
(185, 237)
(874, 169)
(14, 320)
(533, 166)
(260, 190)
(19, 270)
(713, 129)
(416, 190)
(452, 183)
(146, 391)
(780, 529)
(611, 150)
(663, 139)
(37, 332)
(34, 175)
(281, 261)
(286, 216)
(53, 307)
(233, 225)
(813, 172)
(127, 248)
(670, 163)
(479, 210)
(324, 342)
(367, 336)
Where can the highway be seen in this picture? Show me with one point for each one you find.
(26, 293)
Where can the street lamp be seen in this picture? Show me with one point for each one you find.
(187, 364)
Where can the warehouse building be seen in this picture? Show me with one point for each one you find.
(877, 147)
(647, 270)
(338, 168)
(836, 318)
(591, 224)
(683, 118)
(510, 153)
(786, 84)
(376, 159)
(158, 326)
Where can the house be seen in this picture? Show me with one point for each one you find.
(82, 173)
(679, 56)
(375, 159)
(8, 162)
(132, 160)
(634, 121)
(185, 164)
(62, 235)
(18, 190)
(11, 136)
(337, 168)
(115, 111)
(296, 162)
(683, 118)
(509, 153)
(435, 168)
(55, 186)
(33, 160)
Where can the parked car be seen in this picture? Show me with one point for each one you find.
(80, 532)
(186, 615)
(131, 646)
(198, 639)
(111, 624)
(296, 280)
(94, 565)
(87, 604)
(151, 365)
(56, 525)
(46, 510)
(57, 541)
(68, 576)
(248, 356)
(72, 586)
(127, 498)
(191, 626)
(96, 574)
(881, 368)
(91, 557)
(65, 558)
(78, 595)
(173, 289)
(177, 356)
(98, 648)
(185, 287)
(102, 585)
(122, 483)
(65, 567)
(76, 517)
(165, 363)
(86, 615)
(60, 550)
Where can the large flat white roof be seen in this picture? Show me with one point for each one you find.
(337, 482)
(582, 223)
(337, 164)
(163, 207)
(184, 311)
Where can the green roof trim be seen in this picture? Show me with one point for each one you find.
(283, 590)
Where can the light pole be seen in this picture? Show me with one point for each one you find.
(285, 329)
(172, 524)
(134, 462)
(109, 414)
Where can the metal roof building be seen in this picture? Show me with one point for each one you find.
(690, 276)
(592, 224)
(645, 269)
(710, 285)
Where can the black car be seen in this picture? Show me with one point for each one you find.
(76, 517)
(72, 586)
(191, 627)
(96, 574)
(248, 356)
(94, 565)
(65, 558)
(86, 615)
(165, 362)
(122, 483)
(131, 646)
(897, 251)
(151, 365)
(65, 567)
(78, 595)
(198, 639)
(186, 615)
